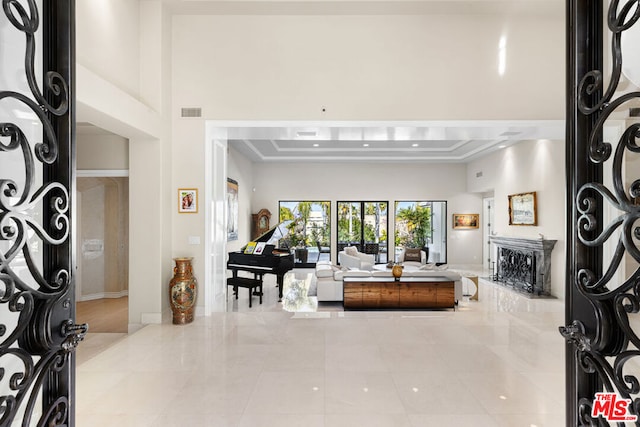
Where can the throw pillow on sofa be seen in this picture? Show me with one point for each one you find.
(412, 255)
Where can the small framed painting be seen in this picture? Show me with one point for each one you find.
(522, 209)
(187, 200)
(466, 221)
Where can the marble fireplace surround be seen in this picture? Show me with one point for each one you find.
(524, 264)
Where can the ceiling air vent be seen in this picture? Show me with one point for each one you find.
(478, 174)
(191, 112)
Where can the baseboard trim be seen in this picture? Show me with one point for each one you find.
(151, 318)
(102, 295)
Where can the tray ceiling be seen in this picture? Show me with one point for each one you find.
(427, 142)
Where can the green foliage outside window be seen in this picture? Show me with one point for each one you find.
(349, 222)
(351, 228)
(303, 231)
(413, 225)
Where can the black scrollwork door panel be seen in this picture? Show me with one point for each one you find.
(37, 331)
(603, 228)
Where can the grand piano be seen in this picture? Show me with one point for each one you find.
(272, 260)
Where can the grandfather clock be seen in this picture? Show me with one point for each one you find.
(260, 222)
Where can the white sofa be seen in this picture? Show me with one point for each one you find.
(352, 259)
(329, 279)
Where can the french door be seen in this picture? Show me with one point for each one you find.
(364, 225)
(38, 334)
(603, 217)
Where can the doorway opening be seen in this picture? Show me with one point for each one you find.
(102, 284)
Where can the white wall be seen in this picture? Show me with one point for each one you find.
(369, 67)
(529, 166)
(377, 182)
(107, 41)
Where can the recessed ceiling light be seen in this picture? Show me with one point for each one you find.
(502, 146)
(316, 145)
(415, 145)
(365, 145)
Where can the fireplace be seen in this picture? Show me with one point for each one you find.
(524, 264)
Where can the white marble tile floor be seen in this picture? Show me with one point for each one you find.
(496, 362)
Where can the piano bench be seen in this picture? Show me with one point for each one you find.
(245, 282)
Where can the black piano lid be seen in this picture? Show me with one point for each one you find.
(272, 236)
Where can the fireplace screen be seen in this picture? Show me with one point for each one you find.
(518, 269)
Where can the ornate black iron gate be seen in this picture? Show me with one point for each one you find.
(37, 306)
(602, 346)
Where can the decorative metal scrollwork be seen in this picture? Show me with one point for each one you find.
(34, 280)
(606, 352)
(517, 268)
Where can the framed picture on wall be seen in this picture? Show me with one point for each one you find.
(466, 221)
(522, 209)
(232, 210)
(187, 200)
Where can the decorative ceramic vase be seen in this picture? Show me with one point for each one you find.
(182, 292)
(396, 270)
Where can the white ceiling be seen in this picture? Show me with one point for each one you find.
(457, 142)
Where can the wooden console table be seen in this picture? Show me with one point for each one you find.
(410, 292)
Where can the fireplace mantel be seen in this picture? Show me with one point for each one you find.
(524, 264)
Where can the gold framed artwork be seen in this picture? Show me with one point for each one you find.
(187, 200)
(522, 209)
(466, 221)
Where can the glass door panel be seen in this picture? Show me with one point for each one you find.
(375, 230)
(349, 225)
(309, 235)
(422, 224)
(364, 225)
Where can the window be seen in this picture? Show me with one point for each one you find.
(309, 230)
(422, 225)
(364, 225)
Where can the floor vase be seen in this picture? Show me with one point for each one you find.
(182, 291)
